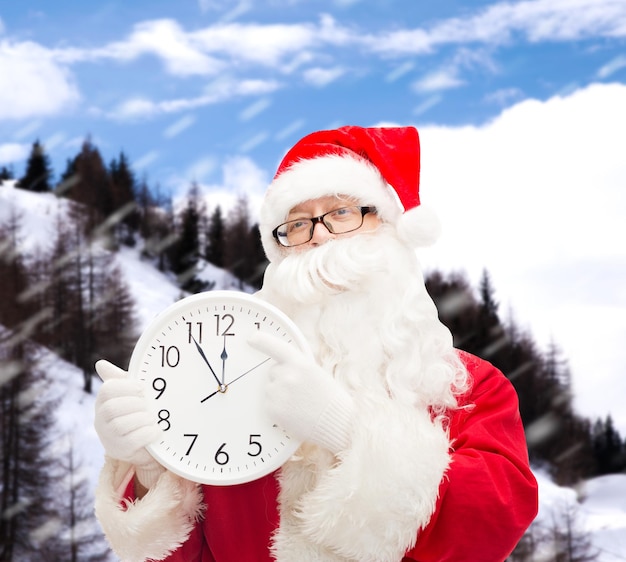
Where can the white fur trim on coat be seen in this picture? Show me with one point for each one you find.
(150, 528)
(371, 505)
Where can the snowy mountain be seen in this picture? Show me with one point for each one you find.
(601, 513)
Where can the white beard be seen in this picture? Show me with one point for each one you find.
(362, 304)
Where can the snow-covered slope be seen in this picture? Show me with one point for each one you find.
(602, 513)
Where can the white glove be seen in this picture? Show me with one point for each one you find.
(124, 424)
(304, 399)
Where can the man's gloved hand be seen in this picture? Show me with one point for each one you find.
(304, 399)
(123, 422)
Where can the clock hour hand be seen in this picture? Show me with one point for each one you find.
(206, 361)
(210, 395)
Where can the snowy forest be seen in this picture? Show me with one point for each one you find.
(71, 299)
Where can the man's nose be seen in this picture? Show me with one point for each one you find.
(320, 234)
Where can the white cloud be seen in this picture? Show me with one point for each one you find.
(207, 51)
(27, 130)
(290, 129)
(201, 169)
(537, 197)
(612, 67)
(209, 5)
(211, 50)
(537, 20)
(163, 38)
(146, 160)
(399, 71)
(504, 96)
(12, 152)
(219, 90)
(133, 108)
(179, 126)
(267, 45)
(321, 77)
(254, 141)
(442, 79)
(429, 102)
(254, 109)
(32, 84)
(240, 177)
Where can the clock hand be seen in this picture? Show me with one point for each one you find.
(250, 370)
(210, 395)
(223, 387)
(224, 356)
(206, 361)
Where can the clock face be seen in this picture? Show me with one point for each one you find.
(205, 387)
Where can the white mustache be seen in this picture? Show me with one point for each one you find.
(334, 267)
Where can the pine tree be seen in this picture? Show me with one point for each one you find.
(554, 432)
(258, 259)
(5, 174)
(124, 204)
(29, 480)
(609, 449)
(215, 238)
(91, 311)
(80, 538)
(243, 253)
(115, 323)
(38, 174)
(185, 253)
(68, 178)
(156, 224)
(568, 541)
(490, 334)
(89, 185)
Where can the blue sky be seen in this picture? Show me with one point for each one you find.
(181, 85)
(521, 108)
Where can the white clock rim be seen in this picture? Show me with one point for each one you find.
(210, 297)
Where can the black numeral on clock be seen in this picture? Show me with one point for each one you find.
(169, 356)
(159, 385)
(193, 436)
(198, 331)
(255, 444)
(221, 455)
(164, 418)
(224, 324)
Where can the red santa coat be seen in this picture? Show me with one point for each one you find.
(486, 501)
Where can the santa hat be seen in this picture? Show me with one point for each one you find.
(375, 166)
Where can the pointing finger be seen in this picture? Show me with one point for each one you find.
(107, 370)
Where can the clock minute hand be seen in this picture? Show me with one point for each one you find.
(206, 361)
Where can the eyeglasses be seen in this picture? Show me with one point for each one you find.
(338, 221)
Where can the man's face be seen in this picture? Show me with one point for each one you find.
(321, 233)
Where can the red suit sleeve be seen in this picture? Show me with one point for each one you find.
(488, 497)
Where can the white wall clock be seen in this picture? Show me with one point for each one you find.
(205, 387)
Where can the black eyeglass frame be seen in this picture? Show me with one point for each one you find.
(314, 220)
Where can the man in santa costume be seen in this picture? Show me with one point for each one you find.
(412, 450)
